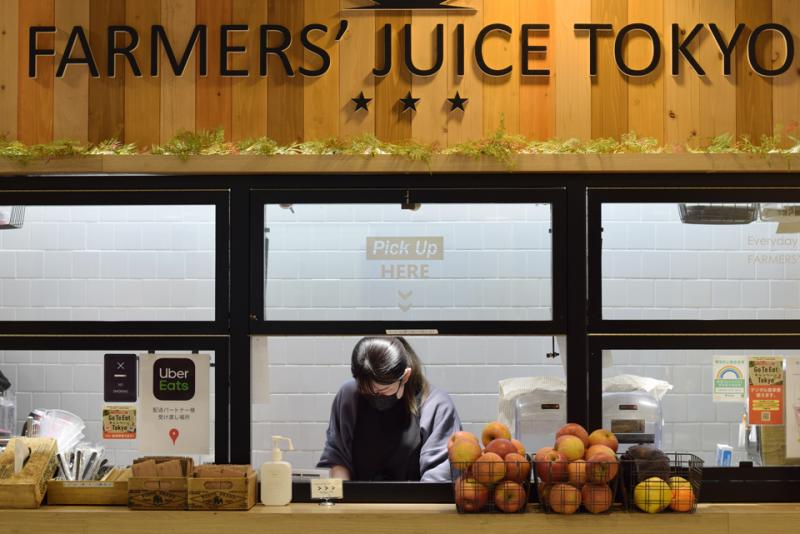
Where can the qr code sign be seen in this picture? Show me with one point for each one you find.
(766, 416)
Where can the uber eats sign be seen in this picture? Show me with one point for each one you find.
(175, 379)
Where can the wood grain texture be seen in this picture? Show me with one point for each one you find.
(392, 124)
(786, 89)
(320, 114)
(754, 92)
(609, 87)
(430, 123)
(682, 91)
(142, 93)
(9, 67)
(357, 49)
(501, 94)
(177, 92)
(249, 95)
(573, 86)
(537, 105)
(286, 103)
(717, 92)
(213, 104)
(71, 92)
(646, 93)
(462, 126)
(35, 98)
(106, 95)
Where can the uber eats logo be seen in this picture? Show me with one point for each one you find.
(173, 379)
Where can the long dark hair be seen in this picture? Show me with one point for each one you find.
(384, 360)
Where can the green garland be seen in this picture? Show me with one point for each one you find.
(500, 146)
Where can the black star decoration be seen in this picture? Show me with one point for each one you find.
(409, 102)
(457, 102)
(361, 101)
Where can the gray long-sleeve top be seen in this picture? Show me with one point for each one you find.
(438, 420)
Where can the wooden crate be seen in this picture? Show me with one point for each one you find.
(27, 488)
(223, 493)
(158, 493)
(87, 492)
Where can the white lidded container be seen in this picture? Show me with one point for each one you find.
(276, 476)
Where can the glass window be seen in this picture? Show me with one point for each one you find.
(701, 261)
(109, 263)
(380, 262)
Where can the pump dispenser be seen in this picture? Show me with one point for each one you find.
(276, 476)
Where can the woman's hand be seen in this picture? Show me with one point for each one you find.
(340, 472)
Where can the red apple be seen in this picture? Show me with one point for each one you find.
(551, 466)
(571, 447)
(602, 468)
(597, 498)
(564, 499)
(510, 496)
(597, 449)
(501, 447)
(520, 447)
(518, 468)
(574, 429)
(463, 453)
(489, 468)
(471, 496)
(460, 435)
(604, 437)
(577, 473)
(494, 430)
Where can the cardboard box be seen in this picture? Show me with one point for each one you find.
(160, 492)
(27, 488)
(237, 492)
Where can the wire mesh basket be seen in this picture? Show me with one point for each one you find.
(11, 217)
(772, 212)
(654, 481)
(718, 213)
(569, 487)
(491, 485)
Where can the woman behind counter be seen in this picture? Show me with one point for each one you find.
(389, 423)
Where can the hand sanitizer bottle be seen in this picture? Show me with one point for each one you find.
(276, 476)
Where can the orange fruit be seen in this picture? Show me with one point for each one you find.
(682, 498)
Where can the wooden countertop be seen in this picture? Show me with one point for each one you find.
(435, 518)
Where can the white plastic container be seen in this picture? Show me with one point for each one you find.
(276, 476)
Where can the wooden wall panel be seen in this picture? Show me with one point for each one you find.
(786, 89)
(717, 92)
(537, 104)
(430, 123)
(462, 126)
(213, 104)
(71, 93)
(106, 95)
(573, 86)
(392, 124)
(286, 103)
(609, 87)
(501, 95)
(321, 115)
(9, 64)
(646, 93)
(142, 93)
(682, 91)
(177, 92)
(754, 92)
(35, 98)
(249, 94)
(357, 47)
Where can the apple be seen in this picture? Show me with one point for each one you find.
(460, 435)
(571, 447)
(564, 499)
(544, 493)
(602, 468)
(604, 437)
(598, 449)
(576, 473)
(501, 447)
(489, 468)
(520, 447)
(574, 429)
(597, 498)
(471, 496)
(510, 496)
(463, 453)
(518, 468)
(494, 430)
(551, 466)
